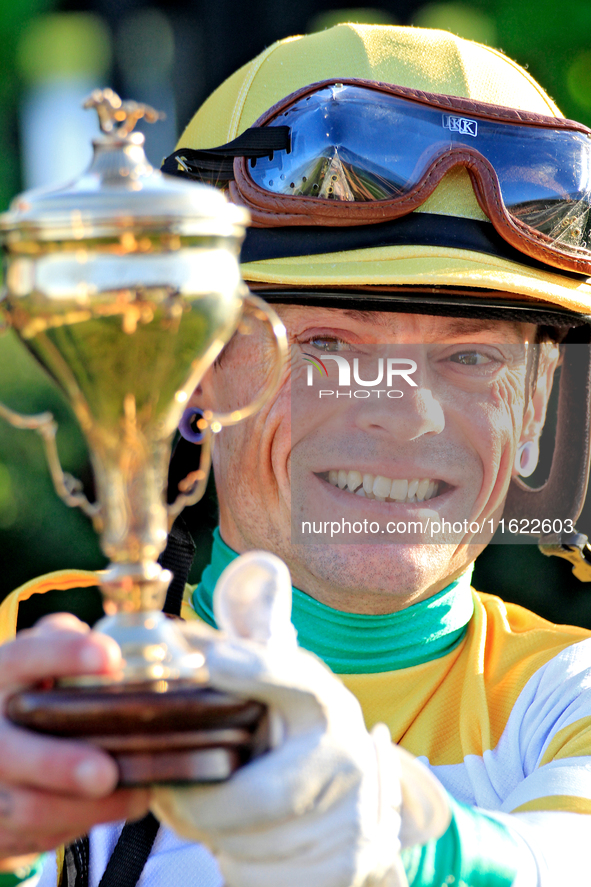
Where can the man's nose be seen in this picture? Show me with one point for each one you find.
(415, 414)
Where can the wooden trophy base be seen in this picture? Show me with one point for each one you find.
(157, 731)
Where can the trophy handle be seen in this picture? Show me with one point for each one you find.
(212, 423)
(196, 481)
(263, 312)
(68, 488)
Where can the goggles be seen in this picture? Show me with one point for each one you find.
(356, 152)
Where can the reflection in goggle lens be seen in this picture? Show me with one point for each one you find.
(358, 144)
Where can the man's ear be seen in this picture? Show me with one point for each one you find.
(202, 397)
(535, 411)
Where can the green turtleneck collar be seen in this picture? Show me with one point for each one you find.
(352, 643)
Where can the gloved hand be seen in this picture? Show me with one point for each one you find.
(331, 804)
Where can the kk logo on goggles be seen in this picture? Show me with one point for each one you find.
(463, 125)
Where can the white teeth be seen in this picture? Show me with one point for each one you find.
(383, 488)
(354, 480)
(422, 489)
(399, 490)
(413, 486)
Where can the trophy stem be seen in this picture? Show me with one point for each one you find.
(131, 471)
(133, 588)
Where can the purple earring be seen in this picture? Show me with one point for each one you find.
(188, 425)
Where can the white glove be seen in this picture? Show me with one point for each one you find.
(330, 804)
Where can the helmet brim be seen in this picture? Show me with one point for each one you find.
(424, 267)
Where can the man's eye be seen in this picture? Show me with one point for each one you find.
(328, 343)
(471, 358)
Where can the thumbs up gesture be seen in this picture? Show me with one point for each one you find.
(330, 804)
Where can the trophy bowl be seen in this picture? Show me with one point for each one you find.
(125, 286)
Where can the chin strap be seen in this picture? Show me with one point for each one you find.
(575, 549)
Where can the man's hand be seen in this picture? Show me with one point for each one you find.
(330, 805)
(54, 790)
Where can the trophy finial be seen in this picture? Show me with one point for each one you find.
(117, 117)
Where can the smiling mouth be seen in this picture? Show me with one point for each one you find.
(385, 489)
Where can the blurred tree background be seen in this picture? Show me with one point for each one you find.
(172, 54)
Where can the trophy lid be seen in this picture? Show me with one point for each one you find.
(120, 192)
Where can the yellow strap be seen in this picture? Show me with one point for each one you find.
(564, 803)
(187, 608)
(60, 859)
(61, 580)
(578, 555)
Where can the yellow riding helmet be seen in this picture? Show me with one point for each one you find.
(426, 60)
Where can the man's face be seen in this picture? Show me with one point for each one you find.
(446, 447)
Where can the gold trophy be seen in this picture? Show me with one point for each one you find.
(125, 286)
